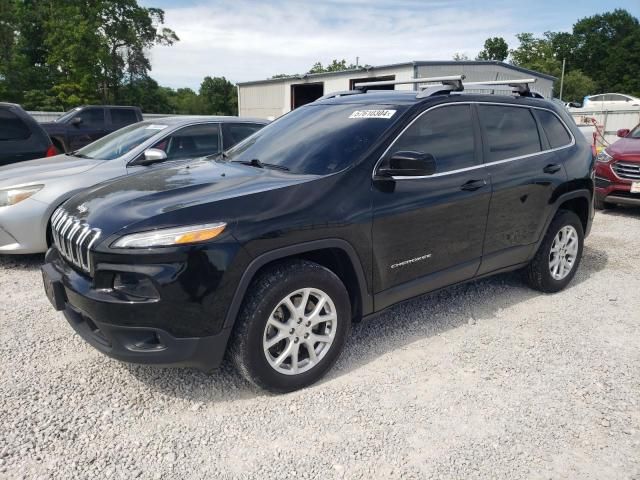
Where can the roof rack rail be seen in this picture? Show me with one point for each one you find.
(343, 93)
(445, 85)
(516, 85)
(446, 80)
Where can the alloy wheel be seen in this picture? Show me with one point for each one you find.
(563, 253)
(300, 331)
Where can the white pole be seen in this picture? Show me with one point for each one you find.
(562, 78)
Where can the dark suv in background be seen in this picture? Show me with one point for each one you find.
(333, 212)
(83, 125)
(21, 137)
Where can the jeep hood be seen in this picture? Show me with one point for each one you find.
(42, 170)
(163, 194)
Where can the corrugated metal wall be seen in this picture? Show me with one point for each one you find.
(272, 99)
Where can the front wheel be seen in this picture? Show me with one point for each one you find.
(292, 326)
(559, 255)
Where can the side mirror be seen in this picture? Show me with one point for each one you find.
(151, 156)
(409, 164)
(575, 104)
(623, 132)
(76, 121)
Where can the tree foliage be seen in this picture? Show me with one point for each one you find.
(602, 54)
(59, 53)
(495, 48)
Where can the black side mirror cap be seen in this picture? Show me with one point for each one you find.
(408, 164)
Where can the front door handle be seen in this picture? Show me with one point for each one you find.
(472, 185)
(552, 168)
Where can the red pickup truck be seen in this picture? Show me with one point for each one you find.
(618, 171)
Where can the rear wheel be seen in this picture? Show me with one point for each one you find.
(559, 255)
(292, 326)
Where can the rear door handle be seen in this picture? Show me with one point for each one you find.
(552, 168)
(472, 185)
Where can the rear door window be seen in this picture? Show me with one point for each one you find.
(509, 132)
(235, 132)
(191, 142)
(555, 131)
(444, 132)
(12, 127)
(91, 117)
(121, 117)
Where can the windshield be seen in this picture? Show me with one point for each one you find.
(65, 116)
(317, 139)
(119, 142)
(635, 133)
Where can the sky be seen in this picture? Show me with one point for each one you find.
(245, 40)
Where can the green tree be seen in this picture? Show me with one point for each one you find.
(219, 96)
(495, 48)
(608, 47)
(544, 55)
(334, 66)
(460, 57)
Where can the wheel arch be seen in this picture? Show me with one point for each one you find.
(578, 201)
(335, 254)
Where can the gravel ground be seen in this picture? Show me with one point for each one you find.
(486, 380)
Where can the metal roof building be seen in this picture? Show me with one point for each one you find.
(275, 97)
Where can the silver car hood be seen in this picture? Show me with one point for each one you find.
(44, 169)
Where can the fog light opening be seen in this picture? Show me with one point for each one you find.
(135, 285)
(151, 342)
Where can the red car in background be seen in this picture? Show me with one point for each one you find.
(618, 171)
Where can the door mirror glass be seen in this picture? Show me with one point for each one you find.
(409, 164)
(575, 104)
(623, 132)
(152, 155)
(76, 121)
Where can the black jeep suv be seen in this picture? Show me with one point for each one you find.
(331, 213)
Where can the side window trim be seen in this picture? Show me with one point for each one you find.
(482, 165)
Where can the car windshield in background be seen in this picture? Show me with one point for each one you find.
(317, 139)
(120, 142)
(635, 133)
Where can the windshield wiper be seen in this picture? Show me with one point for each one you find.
(258, 164)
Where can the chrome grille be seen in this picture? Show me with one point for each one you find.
(630, 171)
(73, 238)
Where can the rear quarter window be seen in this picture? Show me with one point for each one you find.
(121, 117)
(12, 127)
(509, 132)
(555, 131)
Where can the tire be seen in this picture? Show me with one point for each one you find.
(265, 316)
(543, 273)
(600, 204)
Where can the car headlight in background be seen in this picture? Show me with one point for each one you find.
(11, 196)
(171, 236)
(604, 157)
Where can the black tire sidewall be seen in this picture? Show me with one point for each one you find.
(298, 277)
(539, 268)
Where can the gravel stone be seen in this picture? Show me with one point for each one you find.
(484, 380)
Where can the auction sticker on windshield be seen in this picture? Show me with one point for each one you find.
(156, 127)
(372, 114)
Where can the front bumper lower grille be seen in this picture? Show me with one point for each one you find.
(73, 238)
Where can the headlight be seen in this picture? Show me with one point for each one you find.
(604, 157)
(171, 236)
(11, 196)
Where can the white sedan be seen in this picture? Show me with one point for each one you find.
(610, 101)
